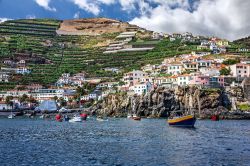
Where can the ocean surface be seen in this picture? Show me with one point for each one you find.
(123, 142)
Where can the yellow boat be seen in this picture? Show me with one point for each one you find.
(182, 121)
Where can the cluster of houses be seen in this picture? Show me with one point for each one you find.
(13, 67)
(188, 69)
(75, 80)
(217, 46)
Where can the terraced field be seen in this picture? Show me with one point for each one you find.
(37, 38)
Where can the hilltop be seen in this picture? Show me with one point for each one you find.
(94, 26)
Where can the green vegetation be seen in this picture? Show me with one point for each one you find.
(225, 71)
(231, 61)
(36, 40)
(244, 107)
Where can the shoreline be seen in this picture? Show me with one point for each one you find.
(227, 116)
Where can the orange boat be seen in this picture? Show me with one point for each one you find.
(182, 121)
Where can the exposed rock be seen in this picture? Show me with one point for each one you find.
(93, 26)
(161, 101)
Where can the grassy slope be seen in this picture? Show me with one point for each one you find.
(79, 55)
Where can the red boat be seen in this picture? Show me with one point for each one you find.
(215, 118)
(136, 118)
(58, 118)
(84, 116)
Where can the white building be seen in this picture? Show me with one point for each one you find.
(174, 68)
(4, 77)
(134, 76)
(240, 70)
(141, 88)
(23, 70)
(183, 79)
(47, 94)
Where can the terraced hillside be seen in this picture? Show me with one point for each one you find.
(48, 55)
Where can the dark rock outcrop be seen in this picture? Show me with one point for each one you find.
(161, 101)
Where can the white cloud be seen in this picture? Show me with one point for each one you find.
(88, 5)
(77, 15)
(30, 17)
(224, 18)
(4, 19)
(45, 5)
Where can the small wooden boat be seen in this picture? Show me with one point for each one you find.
(182, 121)
(135, 117)
(129, 116)
(66, 118)
(11, 116)
(58, 118)
(84, 116)
(215, 118)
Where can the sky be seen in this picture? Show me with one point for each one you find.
(229, 19)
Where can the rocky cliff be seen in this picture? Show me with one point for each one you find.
(161, 101)
(94, 26)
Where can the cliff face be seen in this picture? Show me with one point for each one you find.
(161, 101)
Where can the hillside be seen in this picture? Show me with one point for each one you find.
(244, 42)
(48, 54)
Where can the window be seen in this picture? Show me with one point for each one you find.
(239, 71)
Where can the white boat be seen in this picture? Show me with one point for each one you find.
(101, 119)
(76, 118)
(11, 116)
(129, 116)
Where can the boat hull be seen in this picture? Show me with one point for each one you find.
(136, 118)
(185, 121)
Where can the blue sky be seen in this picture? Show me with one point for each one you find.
(64, 9)
(228, 19)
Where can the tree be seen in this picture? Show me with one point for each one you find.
(9, 101)
(225, 71)
(23, 98)
(55, 98)
(62, 102)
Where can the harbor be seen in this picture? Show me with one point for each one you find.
(122, 141)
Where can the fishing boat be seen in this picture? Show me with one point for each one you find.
(84, 116)
(215, 118)
(135, 117)
(11, 116)
(129, 116)
(66, 118)
(76, 118)
(58, 118)
(182, 121)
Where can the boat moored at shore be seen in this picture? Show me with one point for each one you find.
(182, 121)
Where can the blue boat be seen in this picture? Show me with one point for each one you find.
(182, 121)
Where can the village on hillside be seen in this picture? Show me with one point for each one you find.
(210, 66)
